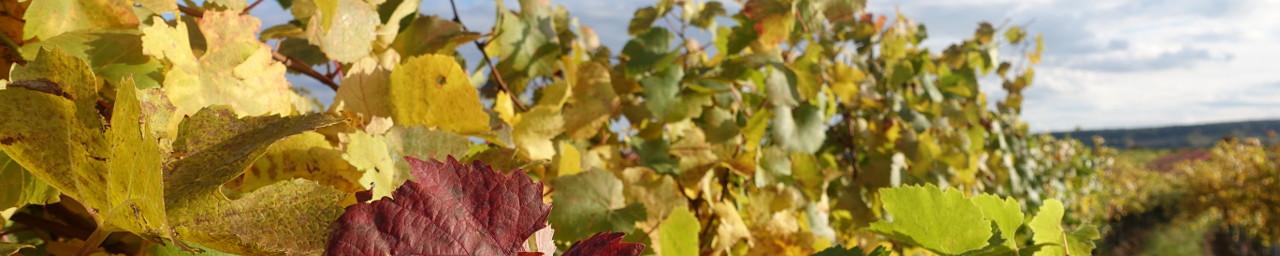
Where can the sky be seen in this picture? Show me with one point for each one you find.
(1107, 63)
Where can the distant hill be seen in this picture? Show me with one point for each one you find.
(1175, 137)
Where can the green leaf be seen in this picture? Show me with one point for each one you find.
(19, 188)
(706, 17)
(649, 51)
(113, 55)
(944, 222)
(591, 202)
(661, 94)
(49, 18)
(7, 249)
(1046, 229)
(431, 35)
(678, 234)
(802, 129)
(1007, 214)
(642, 20)
(852, 251)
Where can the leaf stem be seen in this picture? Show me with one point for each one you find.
(251, 6)
(100, 234)
(300, 67)
(515, 100)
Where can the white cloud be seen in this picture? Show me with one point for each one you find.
(1109, 63)
(1130, 63)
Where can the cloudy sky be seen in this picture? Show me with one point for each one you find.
(1108, 64)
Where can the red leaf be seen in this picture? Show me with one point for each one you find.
(605, 244)
(448, 208)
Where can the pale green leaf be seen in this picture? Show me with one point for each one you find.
(678, 234)
(48, 18)
(591, 202)
(943, 221)
(346, 32)
(19, 188)
(135, 192)
(1006, 213)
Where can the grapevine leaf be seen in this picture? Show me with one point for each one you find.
(288, 217)
(422, 143)
(591, 202)
(523, 42)
(800, 127)
(852, 251)
(448, 208)
(113, 55)
(661, 94)
(593, 101)
(534, 130)
(307, 155)
(19, 188)
(431, 35)
(370, 154)
(605, 244)
(135, 192)
(542, 242)
(1046, 229)
(346, 32)
(433, 91)
(651, 189)
(233, 5)
(214, 147)
(649, 51)
(52, 127)
(1006, 213)
(642, 20)
(7, 249)
(46, 19)
(365, 93)
(732, 228)
(943, 221)
(159, 6)
(235, 70)
(678, 234)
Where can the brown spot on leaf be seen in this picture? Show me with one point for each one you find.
(41, 85)
(9, 140)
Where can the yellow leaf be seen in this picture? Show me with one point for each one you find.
(135, 188)
(369, 154)
(236, 70)
(344, 29)
(534, 130)
(569, 161)
(433, 91)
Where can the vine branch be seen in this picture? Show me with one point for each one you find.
(497, 76)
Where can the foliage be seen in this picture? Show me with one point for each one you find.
(801, 125)
(1238, 182)
(493, 214)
